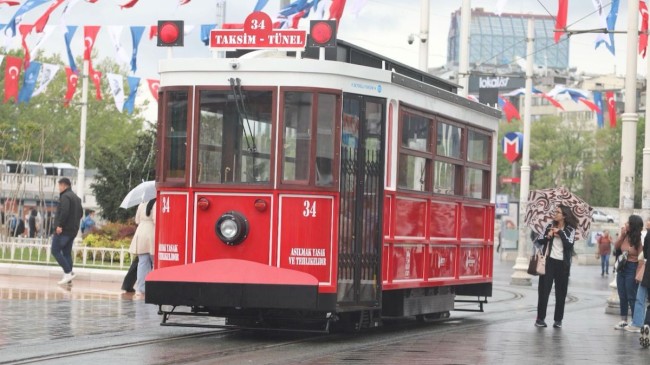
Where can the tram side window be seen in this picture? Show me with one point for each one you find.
(478, 156)
(235, 136)
(176, 133)
(415, 155)
(297, 136)
(326, 115)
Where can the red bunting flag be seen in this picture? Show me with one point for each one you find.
(90, 34)
(560, 20)
(9, 2)
(42, 21)
(153, 31)
(91, 1)
(24, 30)
(336, 9)
(611, 108)
(183, 2)
(153, 87)
(96, 77)
(593, 107)
(508, 109)
(12, 71)
(72, 78)
(129, 4)
(643, 34)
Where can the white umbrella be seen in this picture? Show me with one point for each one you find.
(140, 194)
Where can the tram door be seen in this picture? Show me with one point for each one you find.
(360, 227)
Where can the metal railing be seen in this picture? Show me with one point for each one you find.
(38, 251)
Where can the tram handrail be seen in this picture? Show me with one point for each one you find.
(38, 251)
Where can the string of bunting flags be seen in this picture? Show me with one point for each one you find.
(577, 95)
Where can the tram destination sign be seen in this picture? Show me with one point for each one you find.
(258, 33)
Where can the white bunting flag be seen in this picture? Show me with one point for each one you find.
(48, 71)
(115, 31)
(47, 32)
(116, 83)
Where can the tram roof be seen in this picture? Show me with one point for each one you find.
(349, 53)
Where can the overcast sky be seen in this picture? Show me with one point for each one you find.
(381, 26)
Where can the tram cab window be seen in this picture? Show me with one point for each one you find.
(176, 133)
(235, 133)
(304, 114)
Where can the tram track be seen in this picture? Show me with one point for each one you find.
(394, 329)
(73, 353)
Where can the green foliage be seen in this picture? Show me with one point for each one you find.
(45, 130)
(120, 169)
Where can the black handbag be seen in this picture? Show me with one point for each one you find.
(532, 265)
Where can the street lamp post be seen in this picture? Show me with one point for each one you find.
(520, 276)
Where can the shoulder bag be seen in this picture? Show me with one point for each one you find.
(537, 264)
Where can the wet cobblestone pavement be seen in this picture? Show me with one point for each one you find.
(93, 323)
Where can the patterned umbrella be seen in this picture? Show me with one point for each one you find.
(542, 204)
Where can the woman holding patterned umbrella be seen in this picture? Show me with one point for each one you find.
(557, 241)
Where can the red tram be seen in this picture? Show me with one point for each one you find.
(293, 190)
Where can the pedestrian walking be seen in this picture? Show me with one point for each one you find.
(142, 243)
(557, 239)
(628, 248)
(605, 250)
(88, 223)
(66, 221)
(32, 223)
(640, 315)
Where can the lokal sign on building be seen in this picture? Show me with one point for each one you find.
(258, 33)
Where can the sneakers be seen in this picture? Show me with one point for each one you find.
(540, 323)
(67, 278)
(557, 324)
(644, 340)
(620, 325)
(631, 328)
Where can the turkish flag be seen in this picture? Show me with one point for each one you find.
(611, 108)
(12, 71)
(90, 34)
(24, 30)
(10, 2)
(72, 78)
(560, 20)
(96, 76)
(153, 87)
(643, 34)
(42, 21)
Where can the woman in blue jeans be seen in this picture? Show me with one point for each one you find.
(640, 316)
(629, 241)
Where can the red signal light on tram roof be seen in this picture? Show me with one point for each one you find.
(170, 33)
(322, 33)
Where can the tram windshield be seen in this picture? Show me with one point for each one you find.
(235, 130)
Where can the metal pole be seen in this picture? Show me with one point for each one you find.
(81, 173)
(630, 117)
(463, 56)
(424, 35)
(520, 276)
(645, 191)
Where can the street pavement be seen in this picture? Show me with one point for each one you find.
(93, 322)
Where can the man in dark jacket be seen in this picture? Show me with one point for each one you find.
(67, 220)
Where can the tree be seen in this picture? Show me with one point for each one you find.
(59, 126)
(121, 168)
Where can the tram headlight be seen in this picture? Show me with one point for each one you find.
(232, 228)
